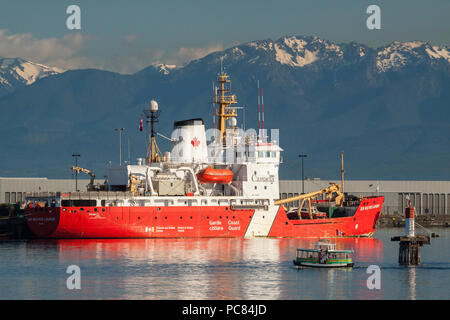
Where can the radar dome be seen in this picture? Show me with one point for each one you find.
(153, 106)
(232, 122)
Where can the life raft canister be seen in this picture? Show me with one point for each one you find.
(210, 175)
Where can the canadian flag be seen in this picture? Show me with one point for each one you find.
(141, 124)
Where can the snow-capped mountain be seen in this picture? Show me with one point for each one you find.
(316, 53)
(300, 51)
(401, 54)
(159, 68)
(293, 51)
(16, 72)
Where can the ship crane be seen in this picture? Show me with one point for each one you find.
(90, 186)
(329, 193)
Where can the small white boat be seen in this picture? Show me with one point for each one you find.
(324, 255)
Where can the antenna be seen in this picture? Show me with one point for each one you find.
(342, 170)
(214, 104)
(243, 124)
(262, 107)
(128, 149)
(259, 110)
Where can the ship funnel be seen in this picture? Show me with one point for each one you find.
(189, 141)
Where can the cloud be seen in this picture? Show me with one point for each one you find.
(56, 52)
(185, 55)
(130, 38)
(133, 60)
(65, 52)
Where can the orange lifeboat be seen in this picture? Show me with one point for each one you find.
(210, 175)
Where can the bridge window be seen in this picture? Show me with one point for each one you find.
(79, 203)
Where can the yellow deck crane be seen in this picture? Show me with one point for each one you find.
(90, 186)
(333, 193)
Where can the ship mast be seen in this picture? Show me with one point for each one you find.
(342, 172)
(152, 114)
(224, 101)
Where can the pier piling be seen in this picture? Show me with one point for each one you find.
(409, 251)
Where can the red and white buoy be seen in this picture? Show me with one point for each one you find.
(409, 221)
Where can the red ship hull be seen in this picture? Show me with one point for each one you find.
(190, 222)
(138, 222)
(363, 223)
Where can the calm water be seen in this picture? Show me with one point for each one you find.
(216, 269)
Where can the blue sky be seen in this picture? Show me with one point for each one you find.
(126, 36)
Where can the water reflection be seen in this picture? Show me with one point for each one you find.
(172, 268)
(412, 282)
(204, 269)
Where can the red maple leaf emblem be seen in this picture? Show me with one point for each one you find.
(195, 142)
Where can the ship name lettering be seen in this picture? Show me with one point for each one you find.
(213, 223)
(269, 178)
(231, 228)
(233, 222)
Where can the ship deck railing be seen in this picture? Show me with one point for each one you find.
(238, 202)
